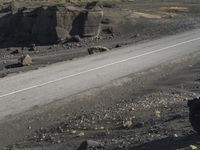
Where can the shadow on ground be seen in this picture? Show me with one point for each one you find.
(16, 65)
(169, 143)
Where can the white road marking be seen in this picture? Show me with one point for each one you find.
(97, 68)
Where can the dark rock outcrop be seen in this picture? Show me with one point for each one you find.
(194, 115)
(49, 24)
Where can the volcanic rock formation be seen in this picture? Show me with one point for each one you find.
(49, 24)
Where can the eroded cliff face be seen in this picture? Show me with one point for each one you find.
(49, 24)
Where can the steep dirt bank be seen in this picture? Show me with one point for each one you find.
(147, 110)
(122, 23)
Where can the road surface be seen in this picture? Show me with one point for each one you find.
(22, 91)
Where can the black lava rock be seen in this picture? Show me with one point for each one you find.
(194, 115)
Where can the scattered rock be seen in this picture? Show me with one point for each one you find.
(155, 129)
(4, 62)
(73, 132)
(60, 129)
(128, 123)
(108, 30)
(102, 128)
(33, 47)
(118, 45)
(89, 144)
(107, 5)
(105, 21)
(158, 113)
(97, 49)
(15, 52)
(25, 60)
(193, 147)
(81, 134)
(75, 38)
(135, 35)
(175, 135)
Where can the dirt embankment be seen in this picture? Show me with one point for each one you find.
(51, 33)
(147, 111)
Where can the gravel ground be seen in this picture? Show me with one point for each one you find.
(147, 110)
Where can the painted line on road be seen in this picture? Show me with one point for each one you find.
(97, 68)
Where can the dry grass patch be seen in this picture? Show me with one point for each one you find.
(174, 9)
(144, 15)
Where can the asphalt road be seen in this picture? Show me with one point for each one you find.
(22, 91)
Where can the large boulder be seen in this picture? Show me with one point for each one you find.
(194, 115)
(25, 60)
(92, 22)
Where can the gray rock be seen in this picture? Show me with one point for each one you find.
(97, 49)
(25, 60)
(89, 144)
(92, 23)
